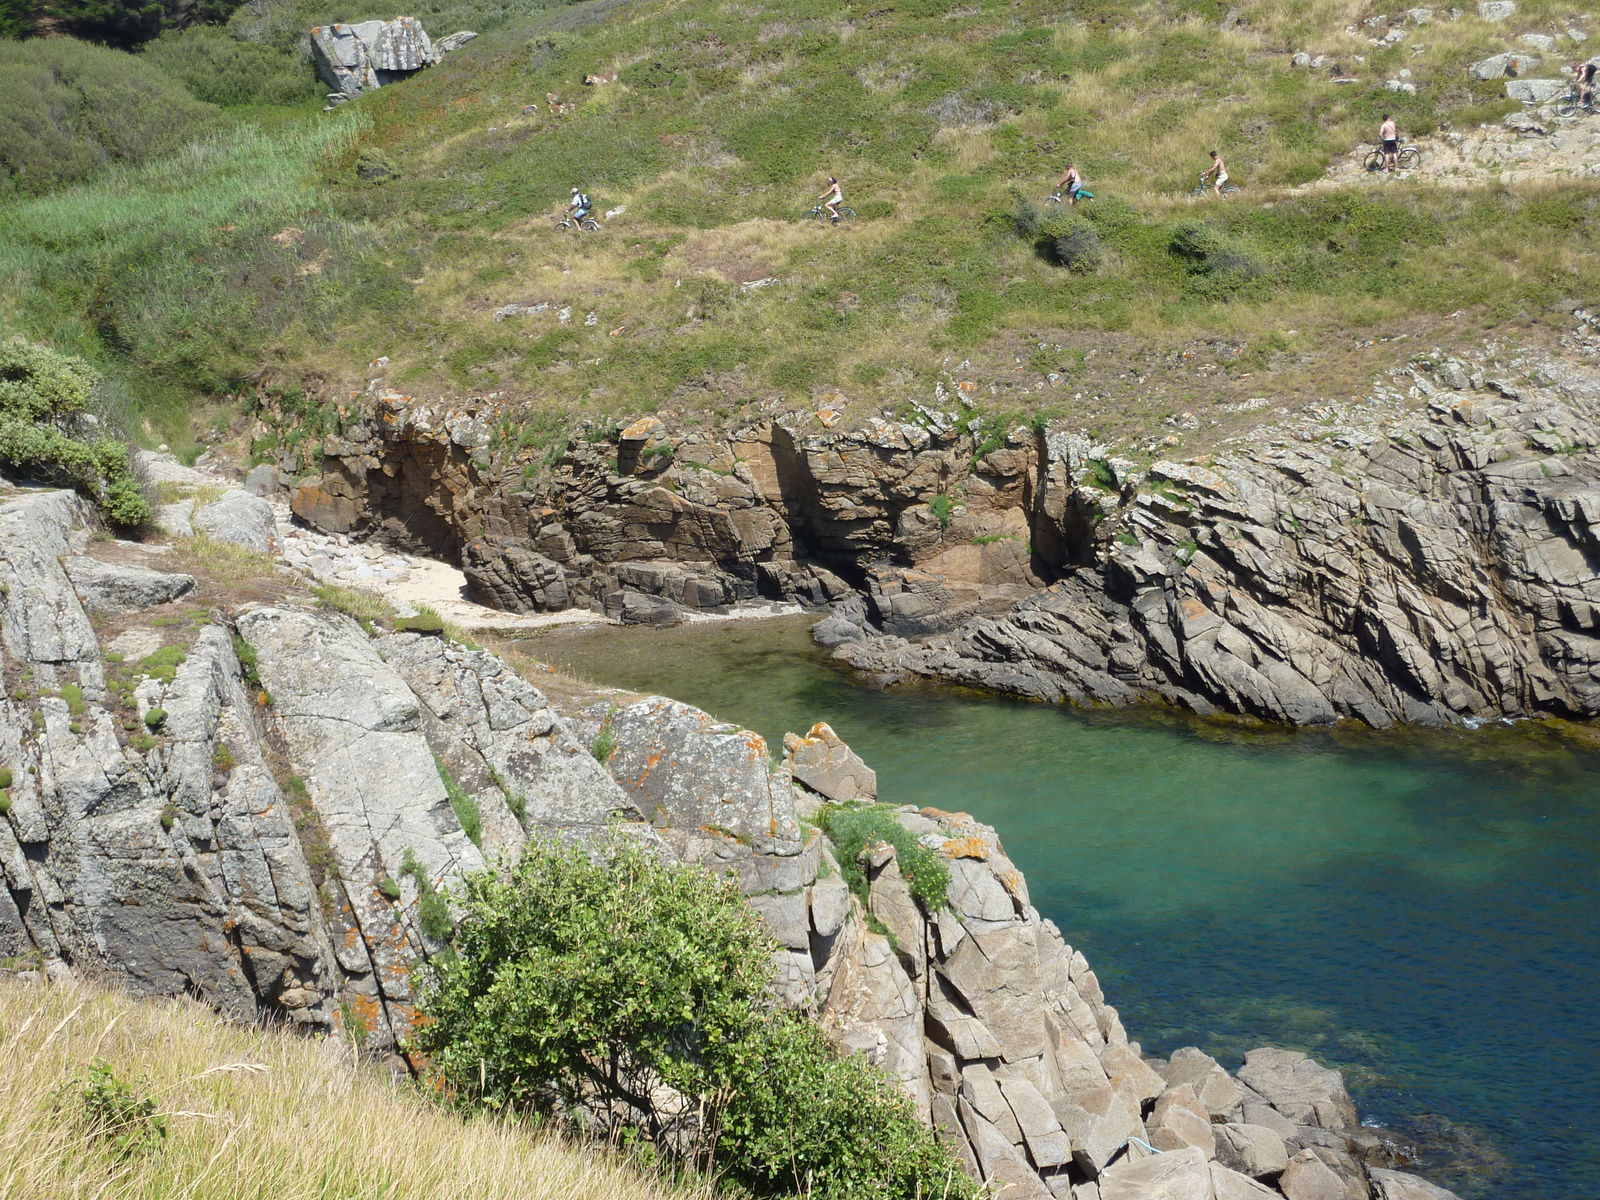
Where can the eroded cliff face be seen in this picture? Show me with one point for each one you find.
(1425, 553)
(249, 814)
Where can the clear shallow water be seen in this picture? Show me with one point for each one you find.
(1421, 910)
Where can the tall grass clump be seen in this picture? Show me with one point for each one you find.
(182, 269)
(92, 1076)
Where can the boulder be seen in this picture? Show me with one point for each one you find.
(107, 588)
(506, 573)
(1180, 1175)
(1496, 10)
(1122, 1060)
(239, 518)
(1398, 1185)
(823, 762)
(1252, 1150)
(1213, 1087)
(1180, 1121)
(350, 59)
(262, 480)
(1307, 1177)
(1535, 91)
(1230, 1185)
(1298, 1087)
(685, 769)
(1498, 66)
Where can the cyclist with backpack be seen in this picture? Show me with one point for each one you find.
(578, 207)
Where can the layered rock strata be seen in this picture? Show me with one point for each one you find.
(1426, 554)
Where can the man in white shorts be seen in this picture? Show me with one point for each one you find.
(1221, 170)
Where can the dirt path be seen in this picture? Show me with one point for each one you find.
(1536, 147)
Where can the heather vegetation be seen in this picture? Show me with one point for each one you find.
(311, 244)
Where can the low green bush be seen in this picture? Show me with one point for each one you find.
(462, 803)
(47, 429)
(853, 828)
(584, 979)
(219, 68)
(121, 1115)
(68, 109)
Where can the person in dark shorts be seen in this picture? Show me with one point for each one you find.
(1390, 136)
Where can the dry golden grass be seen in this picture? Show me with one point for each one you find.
(220, 562)
(254, 1113)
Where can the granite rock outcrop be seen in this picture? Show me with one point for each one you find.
(253, 813)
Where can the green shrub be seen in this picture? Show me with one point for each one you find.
(117, 1113)
(163, 664)
(941, 506)
(5, 777)
(1076, 244)
(46, 428)
(853, 828)
(169, 817)
(389, 888)
(591, 976)
(219, 68)
(69, 109)
(154, 718)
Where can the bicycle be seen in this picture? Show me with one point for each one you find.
(1228, 189)
(820, 213)
(1409, 159)
(588, 223)
(1057, 198)
(1571, 105)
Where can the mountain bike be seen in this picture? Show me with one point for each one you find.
(1409, 159)
(1572, 105)
(588, 223)
(819, 213)
(1228, 189)
(1056, 197)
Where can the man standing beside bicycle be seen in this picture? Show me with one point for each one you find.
(1390, 137)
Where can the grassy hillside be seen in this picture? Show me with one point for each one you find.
(947, 124)
(247, 1114)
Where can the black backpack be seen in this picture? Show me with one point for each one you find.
(583, 200)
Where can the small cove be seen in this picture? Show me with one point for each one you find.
(1419, 909)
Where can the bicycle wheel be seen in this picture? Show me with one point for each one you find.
(1409, 159)
(562, 224)
(1569, 109)
(1055, 198)
(814, 215)
(591, 225)
(1230, 190)
(1374, 161)
(849, 214)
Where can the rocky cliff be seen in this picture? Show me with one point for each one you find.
(248, 801)
(1422, 553)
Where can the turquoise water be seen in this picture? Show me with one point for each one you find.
(1421, 910)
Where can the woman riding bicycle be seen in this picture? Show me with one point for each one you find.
(832, 198)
